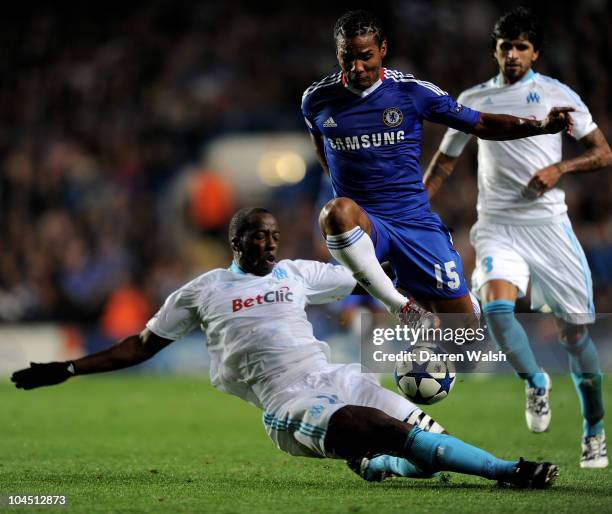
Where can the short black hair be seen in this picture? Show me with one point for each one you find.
(516, 22)
(241, 221)
(358, 23)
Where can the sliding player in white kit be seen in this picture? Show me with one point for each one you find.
(263, 350)
(523, 231)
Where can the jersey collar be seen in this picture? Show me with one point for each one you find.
(236, 269)
(499, 81)
(365, 92)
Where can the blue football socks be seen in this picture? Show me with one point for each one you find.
(442, 452)
(512, 339)
(397, 466)
(587, 378)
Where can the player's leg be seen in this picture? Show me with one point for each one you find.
(347, 230)
(462, 305)
(498, 298)
(356, 430)
(565, 285)
(587, 377)
(297, 420)
(317, 421)
(363, 389)
(465, 308)
(501, 275)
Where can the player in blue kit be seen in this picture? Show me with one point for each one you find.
(366, 125)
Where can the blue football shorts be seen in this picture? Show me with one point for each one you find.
(422, 256)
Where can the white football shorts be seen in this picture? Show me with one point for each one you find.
(550, 255)
(296, 418)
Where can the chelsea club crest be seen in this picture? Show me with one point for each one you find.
(392, 117)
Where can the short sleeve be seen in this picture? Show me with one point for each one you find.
(437, 106)
(179, 314)
(454, 140)
(309, 118)
(324, 282)
(583, 121)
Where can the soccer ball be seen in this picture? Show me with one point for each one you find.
(425, 379)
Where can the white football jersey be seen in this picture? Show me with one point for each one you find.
(505, 167)
(257, 332)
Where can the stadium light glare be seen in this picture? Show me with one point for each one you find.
(281, 168)
(291, 167)
(266, 169)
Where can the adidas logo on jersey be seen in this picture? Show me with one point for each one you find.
(488, 101)
(281, 295)
(330, 123)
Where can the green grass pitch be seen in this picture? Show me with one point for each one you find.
(128, 443)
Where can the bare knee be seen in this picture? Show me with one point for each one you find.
(341, 215)
(570, 335)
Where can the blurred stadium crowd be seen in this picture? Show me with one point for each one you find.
(102, 112)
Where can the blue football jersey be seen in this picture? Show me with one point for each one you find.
(373, 143)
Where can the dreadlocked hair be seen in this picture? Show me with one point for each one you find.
(358, 23)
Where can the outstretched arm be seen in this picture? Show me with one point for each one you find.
(440, 168)
(128, 352)
(501, 127)
(597, 155)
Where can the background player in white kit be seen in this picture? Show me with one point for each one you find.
(523, 231)
(263, 350)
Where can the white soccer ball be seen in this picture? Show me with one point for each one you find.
(427, 378)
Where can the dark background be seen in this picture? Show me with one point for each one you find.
(102, 109)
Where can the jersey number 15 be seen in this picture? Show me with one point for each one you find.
(453, 280)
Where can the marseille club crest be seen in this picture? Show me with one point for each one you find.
(392, 116)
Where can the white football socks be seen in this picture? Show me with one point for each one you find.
(354, 250)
